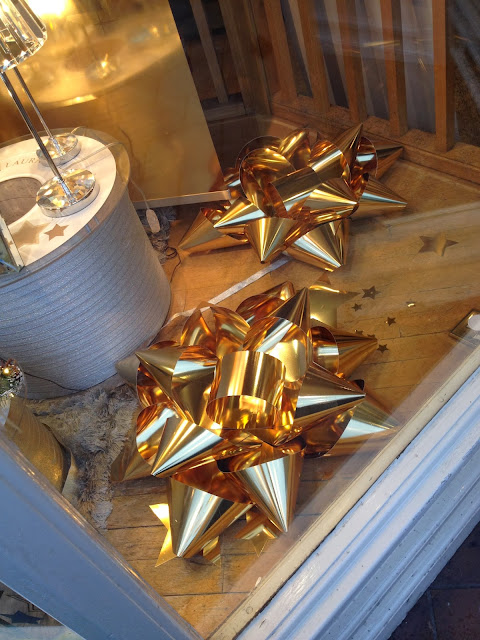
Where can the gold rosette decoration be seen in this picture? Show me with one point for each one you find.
(233, 406)
(297, 195)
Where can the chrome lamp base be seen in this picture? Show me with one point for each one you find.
(57, 202)
(62, 148)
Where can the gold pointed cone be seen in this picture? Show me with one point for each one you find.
(323, 247)
(184, 445)
(273, 487)
(270, 236)
(160, 363)
(353, 349)
(332, 200)
(324, 301)
(370, 417)
(150, 425)
(348, 143)
(230, 330)
(296, 148)
(296, 310)
(202, 236)
(196, 333)
(368, 425)
(387, 155)
(323, 394)
(238, 215)
(129, 465)
(196, 517)
(378, 199)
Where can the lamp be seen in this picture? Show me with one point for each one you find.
(22, 33)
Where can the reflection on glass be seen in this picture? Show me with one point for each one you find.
(21, 620)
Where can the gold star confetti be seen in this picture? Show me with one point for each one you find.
(28, 233)
(390, 321)
(436, 244)
(57, 231)
(324, 279)
(382, 348)
(370, 293)
(410, 303)
(356, 307)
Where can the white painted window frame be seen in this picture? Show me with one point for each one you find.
(358, 584)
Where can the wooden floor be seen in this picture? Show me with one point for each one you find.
(385, 254)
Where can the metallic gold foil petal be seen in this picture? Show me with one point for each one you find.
(262, 142)
(289, 194)
(258, 169)
(265, 304)
(196, 333)
(283, 340)
(247, 391)
(258, 530)
(184, 373)
(328, 161)
(230, 330)
(296, 148)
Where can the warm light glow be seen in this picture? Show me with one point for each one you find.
(48, 7)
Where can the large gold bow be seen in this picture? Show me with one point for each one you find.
(233, 406)
(297, 194)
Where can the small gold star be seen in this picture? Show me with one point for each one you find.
(28, 233)
(370, 293)
(436, 244)
(324, 278)
(360, 333)
(356, 307)
(410, 303)
(382, 348)
(390, 321)
(57, 231)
